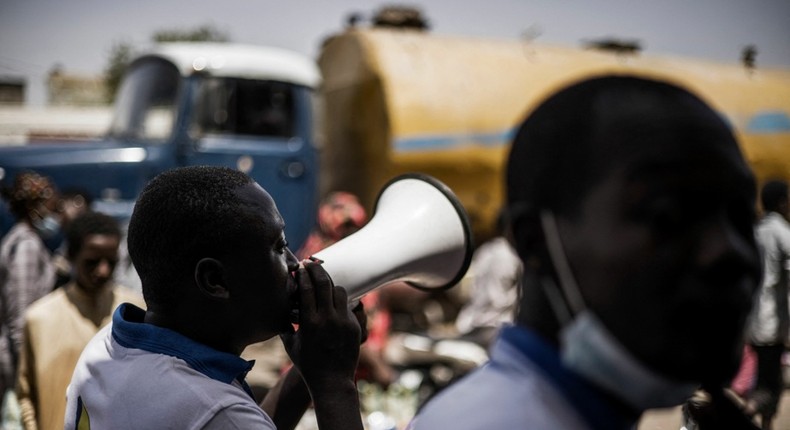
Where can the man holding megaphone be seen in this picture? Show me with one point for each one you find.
(216, 272)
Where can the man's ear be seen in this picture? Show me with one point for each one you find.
(784, 208)
(210, 278)
(526, 236)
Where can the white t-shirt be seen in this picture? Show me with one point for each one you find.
(134, 375)
(496, 273)
(769, 319)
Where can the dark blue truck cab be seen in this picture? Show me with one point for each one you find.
(246, 107)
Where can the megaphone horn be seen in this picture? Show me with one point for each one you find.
(419, 234)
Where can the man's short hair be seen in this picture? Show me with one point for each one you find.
(578, 135)
(181, 216)
(773, 194)
(86, 224)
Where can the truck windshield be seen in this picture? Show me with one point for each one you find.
(245, 107)
(145, 108)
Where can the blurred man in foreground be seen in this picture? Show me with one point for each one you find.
(632, 210)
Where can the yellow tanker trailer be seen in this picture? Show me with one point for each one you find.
(399, 100)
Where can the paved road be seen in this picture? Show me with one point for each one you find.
(670, 419)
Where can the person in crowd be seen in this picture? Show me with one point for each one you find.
(73, 202)
(59, 325)
(217, 276)
(27, 272)
(771, 317)
(340, 214)
(632, 210)
(496, 274)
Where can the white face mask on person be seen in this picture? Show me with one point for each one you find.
(591, 351)
(47, 226)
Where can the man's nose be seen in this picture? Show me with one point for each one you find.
(104, 269)
(293, 263)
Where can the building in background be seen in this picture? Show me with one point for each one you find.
(75, 90)
(12, 90)
(77, 109)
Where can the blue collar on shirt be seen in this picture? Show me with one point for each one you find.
(129, 330)
(590, 402)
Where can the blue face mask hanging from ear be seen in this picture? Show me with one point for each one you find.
(591, 351)
(47, 226)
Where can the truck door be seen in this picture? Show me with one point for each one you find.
(263, 128)
(139, 141)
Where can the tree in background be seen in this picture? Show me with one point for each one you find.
(204, 33)
(120, 57)
(121, 53)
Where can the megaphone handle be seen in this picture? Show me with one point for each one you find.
(315, 260)
(352, 304)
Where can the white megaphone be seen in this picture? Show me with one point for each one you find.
(419, 234)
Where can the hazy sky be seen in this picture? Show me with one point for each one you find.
(78, 34)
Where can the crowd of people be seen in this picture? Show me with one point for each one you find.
(631, 271)
(53, 300)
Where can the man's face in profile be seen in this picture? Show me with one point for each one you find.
(664, 253)
(260, 274)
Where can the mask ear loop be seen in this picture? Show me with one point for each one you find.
(35, 214)
(572, 303)
(556, 301)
